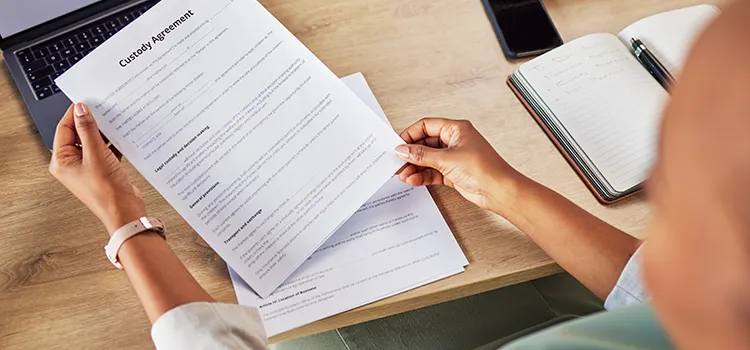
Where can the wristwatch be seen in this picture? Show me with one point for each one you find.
(144, 224)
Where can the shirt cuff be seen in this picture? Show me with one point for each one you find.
(209, 326)
(629, 289)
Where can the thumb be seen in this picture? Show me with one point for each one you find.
(87, 130)
(422, 155)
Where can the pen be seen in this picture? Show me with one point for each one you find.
(652, 64)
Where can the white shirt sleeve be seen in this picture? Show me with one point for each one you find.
(209, 326)
(629, 289)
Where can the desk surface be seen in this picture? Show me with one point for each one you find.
(421, 58)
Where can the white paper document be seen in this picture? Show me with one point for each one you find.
(396, 241)
(260, 147)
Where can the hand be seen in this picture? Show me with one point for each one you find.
(454, 153)
(92, 172)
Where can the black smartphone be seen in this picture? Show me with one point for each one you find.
(523, 27)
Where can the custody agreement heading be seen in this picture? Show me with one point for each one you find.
(146, 46)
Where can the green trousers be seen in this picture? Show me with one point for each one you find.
(484, 321)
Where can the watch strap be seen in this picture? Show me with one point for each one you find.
(129, 230)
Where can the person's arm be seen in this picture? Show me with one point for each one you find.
(158, 277)
(591, 250)
(93, 173)
(454, 153)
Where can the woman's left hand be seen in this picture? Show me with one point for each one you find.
(92, 172)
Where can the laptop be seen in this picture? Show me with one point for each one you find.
(41, 39)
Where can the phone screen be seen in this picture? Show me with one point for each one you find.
(524, 26)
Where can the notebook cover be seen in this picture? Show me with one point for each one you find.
(564, 152)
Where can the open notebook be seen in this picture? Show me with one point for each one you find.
(600, 106)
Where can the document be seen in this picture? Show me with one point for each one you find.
(396, 241)
(260, 147)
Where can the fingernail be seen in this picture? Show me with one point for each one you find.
(80, 110)
(402, 152)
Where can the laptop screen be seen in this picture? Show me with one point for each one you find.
(17, 16)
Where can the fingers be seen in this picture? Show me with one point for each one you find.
(65, 134)
(112, 147)
(88, 131)
(116, 152)
(406, 171)
(64, 150)
(434, 142)
(422, 155)
(431, 128)
(425, 127)
(431, 177)
(398, 172)
(414, 176)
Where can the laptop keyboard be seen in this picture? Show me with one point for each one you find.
(44, 62)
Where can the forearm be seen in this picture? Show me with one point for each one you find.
(591, 250)
(159, 278)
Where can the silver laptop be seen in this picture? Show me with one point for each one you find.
(41, 39)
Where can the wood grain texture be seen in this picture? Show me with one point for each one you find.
(421, 58)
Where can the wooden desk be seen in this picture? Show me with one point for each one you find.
(421, 58)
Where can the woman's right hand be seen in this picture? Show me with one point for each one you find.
(455, 154)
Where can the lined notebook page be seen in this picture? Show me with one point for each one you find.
(606, 100)
(670, 35)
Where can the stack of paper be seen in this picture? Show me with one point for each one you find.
(395, 242)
